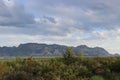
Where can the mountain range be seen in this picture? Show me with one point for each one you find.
(36, 49)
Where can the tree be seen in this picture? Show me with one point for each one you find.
(69, 56)
(69, 53)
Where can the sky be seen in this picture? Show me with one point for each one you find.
(67, 22)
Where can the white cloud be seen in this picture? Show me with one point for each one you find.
(67, 22)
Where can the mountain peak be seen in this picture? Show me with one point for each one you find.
(49, 50)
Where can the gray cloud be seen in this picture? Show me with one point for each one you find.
(61, 17)
(51, 19)
(14, 15)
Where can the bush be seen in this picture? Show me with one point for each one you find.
(96, 78)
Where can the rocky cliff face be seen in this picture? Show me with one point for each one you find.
(49, 50)
(96, 51)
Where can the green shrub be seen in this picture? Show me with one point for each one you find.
(96, 78)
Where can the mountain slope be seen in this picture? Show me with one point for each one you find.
(96, 51)
(49, 50)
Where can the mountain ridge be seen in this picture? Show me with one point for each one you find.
(42, 49)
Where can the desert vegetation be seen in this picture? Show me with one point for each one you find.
(67, 67)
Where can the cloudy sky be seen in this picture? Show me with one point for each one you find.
(67, 22)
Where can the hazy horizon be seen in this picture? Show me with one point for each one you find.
(65, 22)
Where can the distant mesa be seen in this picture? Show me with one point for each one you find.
(36, 49)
